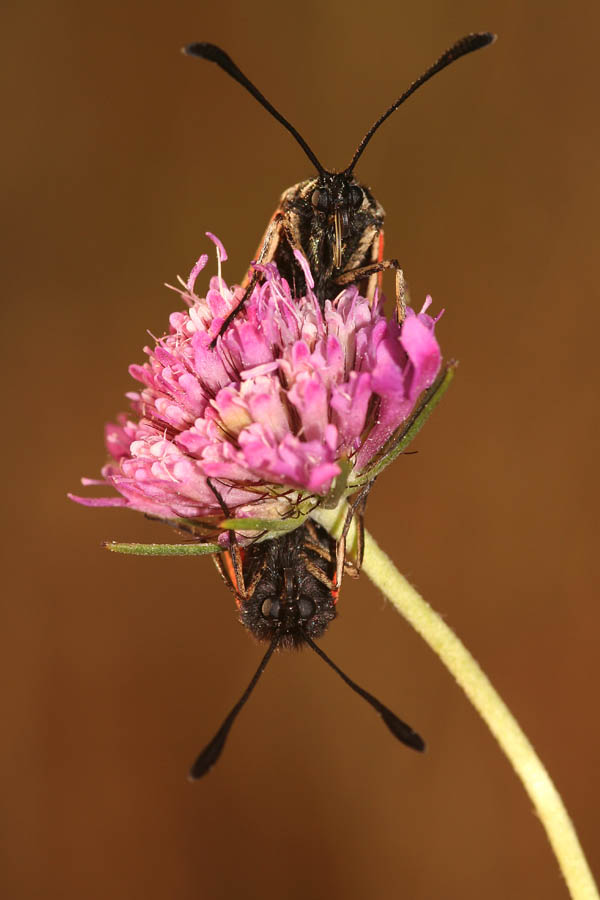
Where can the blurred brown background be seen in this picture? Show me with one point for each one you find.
(119, 154)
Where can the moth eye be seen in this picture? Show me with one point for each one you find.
(321, 200)
(306, 607)
(356, 197)
(271, 609)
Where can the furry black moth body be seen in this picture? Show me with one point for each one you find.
(286, 589)
(293, 592)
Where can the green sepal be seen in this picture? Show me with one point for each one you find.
(400, 440)
(339, 486)
(190, 549)
(276, 525)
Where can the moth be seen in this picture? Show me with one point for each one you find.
(286, 591)
(286, 588)
(331, 218)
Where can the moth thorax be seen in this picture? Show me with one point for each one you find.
(293, 594)
(289, 616)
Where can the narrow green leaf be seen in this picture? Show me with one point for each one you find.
(190, 549)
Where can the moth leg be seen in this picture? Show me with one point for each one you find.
(236, 309)
(400, 297)
(234, 547)
(313, 543)
(227, 579)
(255, 579)
(320, 551)
(353, 275)
(290, 234)
(363, 272)
(310, 527)
(356, 507)
(353, 569)
(267, 252)
(317, 573)
(375, 282)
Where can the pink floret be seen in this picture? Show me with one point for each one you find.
(289, 392)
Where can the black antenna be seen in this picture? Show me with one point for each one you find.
(398, 728)
(463, 46)
(212, 751)
(218, 56)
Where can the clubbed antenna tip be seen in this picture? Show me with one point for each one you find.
(215, 54)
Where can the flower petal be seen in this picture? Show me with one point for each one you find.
(292, 388)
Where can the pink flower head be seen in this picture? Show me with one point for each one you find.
(289, 393)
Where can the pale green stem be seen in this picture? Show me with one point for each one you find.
(501, 722)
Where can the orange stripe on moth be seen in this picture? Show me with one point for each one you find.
(230, 570)
(380, 259)
(336, 591)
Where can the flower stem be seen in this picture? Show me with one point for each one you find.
(490, 706)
